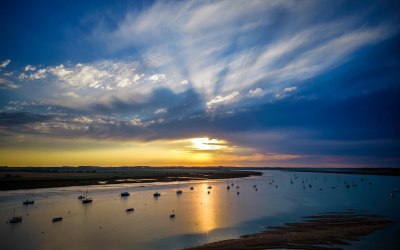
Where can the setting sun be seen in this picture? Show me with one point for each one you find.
(208, 144)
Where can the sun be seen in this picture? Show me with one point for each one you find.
(207, 144)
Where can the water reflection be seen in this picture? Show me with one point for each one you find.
(206, 211)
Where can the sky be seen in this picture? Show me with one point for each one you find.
(198, 83)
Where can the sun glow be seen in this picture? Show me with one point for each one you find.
(208, 144)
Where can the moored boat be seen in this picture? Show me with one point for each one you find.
(124, 194)
(15, 219)
(28, 202)
(87, 199)
(55, 219)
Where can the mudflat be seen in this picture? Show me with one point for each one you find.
(319, 232)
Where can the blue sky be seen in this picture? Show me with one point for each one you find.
(289, 83)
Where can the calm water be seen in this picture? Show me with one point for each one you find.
(200, 217)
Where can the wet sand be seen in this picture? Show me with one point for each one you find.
(319, 232)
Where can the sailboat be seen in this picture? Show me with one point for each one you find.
(87, 199)
(179, 191)
(28, 202)
(15, 219)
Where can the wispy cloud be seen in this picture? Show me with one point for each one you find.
(4, 83)
(195, 40)
(228, 52)
(5, 63)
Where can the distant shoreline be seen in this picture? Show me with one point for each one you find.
(15, 180)
(361, 171)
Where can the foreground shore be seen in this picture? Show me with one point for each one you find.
(13, 180)
(319, 232)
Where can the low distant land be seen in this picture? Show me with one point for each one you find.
(362, 171)
(12, 178)
(327, 231)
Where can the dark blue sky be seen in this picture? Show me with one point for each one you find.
(311, 83)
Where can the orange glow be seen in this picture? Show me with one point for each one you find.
(202, 151)
(206, 212)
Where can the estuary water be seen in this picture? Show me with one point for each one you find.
(201, 217)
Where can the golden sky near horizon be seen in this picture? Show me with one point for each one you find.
(202, 151)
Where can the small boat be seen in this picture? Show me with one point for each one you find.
(228, 187)
(55, 219)
(254, 186)
(28, 202)
(156, 194)
(209, 187)
(208, 192)
(80, 197)
(237, 186)
(172, 215)
(15, 219)
(238, 193)
(129, 210)
(87, 199)
(179, 191)
(191, 188)
(124, 194)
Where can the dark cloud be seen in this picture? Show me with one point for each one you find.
(9, 119)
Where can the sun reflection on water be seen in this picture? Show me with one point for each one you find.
(206, 209)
